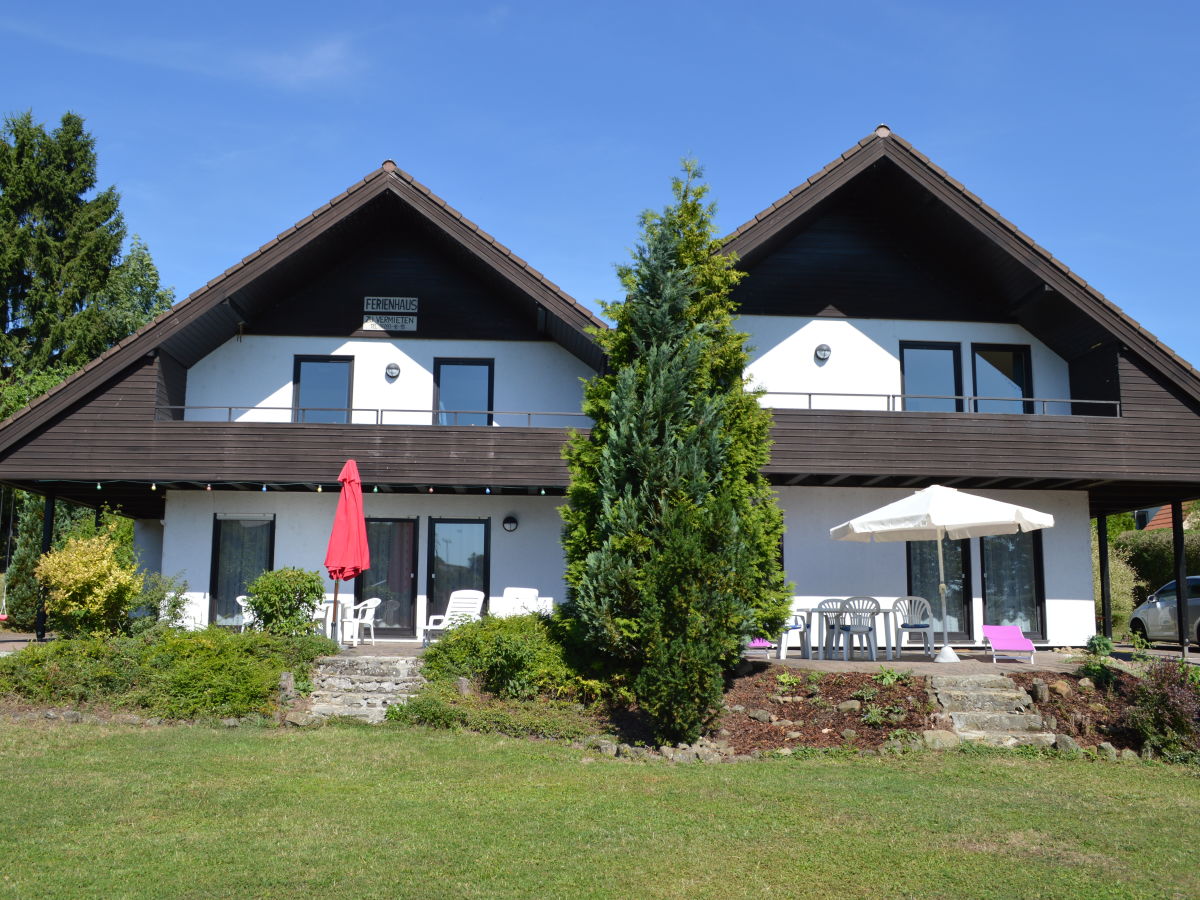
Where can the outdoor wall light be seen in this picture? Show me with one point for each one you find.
(392, 370)
(509, 524)
(822, 352)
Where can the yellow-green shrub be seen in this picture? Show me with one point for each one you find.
(88, 588)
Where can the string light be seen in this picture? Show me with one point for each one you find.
(375, 490)
(153, 486)
(542, 491)
(97, 485)
(319, 489)
(264, 488)
(208, 487)
(430, 489)
(485, 490)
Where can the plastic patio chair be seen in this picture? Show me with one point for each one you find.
(914, 617)
(799, 624)
(829, 617)
(323, 615)
(1009, 642)
(516, 601)
(249, 620)
(462, 606)
(361, 615)
(858, 621)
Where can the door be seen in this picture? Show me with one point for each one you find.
(243, 548)
(392, 576)
(458, 559)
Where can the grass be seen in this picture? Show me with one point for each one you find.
(91, 811)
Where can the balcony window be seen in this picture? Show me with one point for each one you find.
(1005, 373)
(322, 389)
(931, 376)
(463, 391)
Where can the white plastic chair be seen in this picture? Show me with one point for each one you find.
(799, 624)
(324, 614)
(913, 617)
(858, 621)
(462, 606)
(360, 616)
(829, 618)
(517, 601)
(249, 620)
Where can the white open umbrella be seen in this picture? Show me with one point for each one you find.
(939, 512)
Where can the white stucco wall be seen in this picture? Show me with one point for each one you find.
(820, 567)
(531, 556)
(256, 371)
(148, 544)
(865, 358)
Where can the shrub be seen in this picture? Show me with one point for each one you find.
(1166, 709)
(513, 657)
(439, 705)
(283, 600)
(1152, 556)
(164, 672)
(1125, 584)
(88, 588)
(161, 602)
(1099, 645)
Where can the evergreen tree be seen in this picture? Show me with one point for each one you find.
(672, 534)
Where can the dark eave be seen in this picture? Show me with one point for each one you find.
(1058, 284)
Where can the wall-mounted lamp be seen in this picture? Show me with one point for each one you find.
(392, 370)
(509, 524)
(822, 352)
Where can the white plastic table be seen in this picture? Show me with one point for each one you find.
(809, 610)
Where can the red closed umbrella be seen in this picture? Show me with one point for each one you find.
(348, 554)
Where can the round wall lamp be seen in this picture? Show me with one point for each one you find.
(392, 370)
(822, 352)
(509, 524)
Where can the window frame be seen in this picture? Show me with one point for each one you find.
(935, 604)
(301, 358)
(488, 362)
(1027, 352)
(214, 552)
(1039, 585)
(954, 346)
(430, 550)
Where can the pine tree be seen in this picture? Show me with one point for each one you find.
(672, 534)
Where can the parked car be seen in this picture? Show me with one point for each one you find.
(1156, 619)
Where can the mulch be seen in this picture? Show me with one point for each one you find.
(1090, 715)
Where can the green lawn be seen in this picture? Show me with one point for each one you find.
(90, 811)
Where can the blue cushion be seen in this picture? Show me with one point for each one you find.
(921, 625)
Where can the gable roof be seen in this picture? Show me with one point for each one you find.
(785, 216)
(212, 314)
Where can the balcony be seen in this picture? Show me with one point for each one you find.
(934, 403)
(367, 416)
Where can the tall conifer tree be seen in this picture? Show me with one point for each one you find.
(672, 534)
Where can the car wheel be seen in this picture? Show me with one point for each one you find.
(1138, 628)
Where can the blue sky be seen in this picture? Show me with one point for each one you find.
(551, 124)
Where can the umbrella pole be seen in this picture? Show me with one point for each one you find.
(946, 654)
(337, 629)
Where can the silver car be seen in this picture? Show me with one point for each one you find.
(1156, 619)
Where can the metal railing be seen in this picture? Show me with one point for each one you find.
(1046, 406)
(369, 416)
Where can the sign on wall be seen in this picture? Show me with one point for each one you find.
(389, 314)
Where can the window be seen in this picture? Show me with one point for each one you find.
(931, 376)
(392, 576)
(1003, 373)
(243, 548)
(458, 559)
(1013, 586)
(463, 391)
(923, 582)
(322, 389)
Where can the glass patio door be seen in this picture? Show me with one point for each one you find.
(458, 559)
(923, 582)
(1013, 588)
(243, 548)
(392, 576)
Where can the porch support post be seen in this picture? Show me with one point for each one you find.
(39, 622)
(1105, 582)
(1181, 585)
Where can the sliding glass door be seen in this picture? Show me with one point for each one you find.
(458, 559)
(243, 548)
(923, 582)
(392, 576)
(1013, 586)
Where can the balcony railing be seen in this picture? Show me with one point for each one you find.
(1046, 406)
(367, 416)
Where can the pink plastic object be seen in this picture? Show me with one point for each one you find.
(1008, 642)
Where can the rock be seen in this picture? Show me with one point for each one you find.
(774, 719)
(1040, 691)
(606, 748)
(741, 757)
(299, 718)
(92, 719)
(126, 719)
(940, 740)
(706, 755)
(667, 751)
(784, 723)
(1066, 744)
(463, 686)
(849, 734)
(759, 715)
(1128, 756)
(1107, 751)
(287, 688)
(1086, 684)
(1061, 688)
(231, 723)
(724, 733)
(793, 735)
(737, 707)
(1098, 708)
(153, 720)
(50, 714)
(1050, 723)
(72, 715)
(847, 706)
(784, 751)
(686, 756)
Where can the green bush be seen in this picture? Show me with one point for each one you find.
(283, 600)
(1152, 556)
(89, 588)
(439, 705)
(1099, 645)
(1125, 585)
(514, 657)
(164, 672)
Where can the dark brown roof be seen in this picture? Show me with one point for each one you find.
(883, 143)
(568, 320)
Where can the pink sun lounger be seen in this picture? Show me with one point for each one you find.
(1008, 642)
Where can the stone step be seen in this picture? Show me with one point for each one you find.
(368, 665)
(373, 715)
(358, 698)
(995, 721)
(1009, 738)
(978, 682)
(367, 682)
(984, 700)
